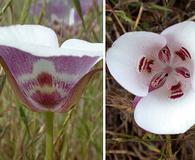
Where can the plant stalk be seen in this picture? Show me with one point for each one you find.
(49, 116)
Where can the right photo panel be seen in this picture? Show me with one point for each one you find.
(150, 82)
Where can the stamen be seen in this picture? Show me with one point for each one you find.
(176, 91)
(183, 71)
(145, 65)
(166, 69)
(183, 54)
(164, 55)
(158, 80)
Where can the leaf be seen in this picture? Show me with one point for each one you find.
(24, 118)
(78, 8)
(2, 82)
(158, 7)
(149, 136)
(25, 11)
(123, 16)
(5, 7)
(151, 147)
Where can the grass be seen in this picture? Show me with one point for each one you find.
(125, 140)
(78, 133)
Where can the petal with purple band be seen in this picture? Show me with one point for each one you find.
(44, 77)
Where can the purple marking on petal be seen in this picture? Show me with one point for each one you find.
(73, 65)
(63, 85)
(46, 99)
(136, 101)
(45, 80)
(29, 85)
(21, 62)
(46, 89)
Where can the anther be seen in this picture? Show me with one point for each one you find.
(164, 55)
(158, 80)
(145, 65)
(176, 91)
(183, 54)
(183, 72)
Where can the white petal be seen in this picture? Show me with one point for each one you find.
(159, 114)
(124, 56)
(80, 47)
(182, 35)
(42, 41)
(28, 34)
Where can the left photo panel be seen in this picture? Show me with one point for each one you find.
(51, 79)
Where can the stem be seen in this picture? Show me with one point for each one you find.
(169, 147)
(49, 135)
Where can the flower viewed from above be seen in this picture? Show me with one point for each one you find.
(45, 76)
(159, 70)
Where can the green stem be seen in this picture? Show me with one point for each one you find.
(49, 135)
(169, 147)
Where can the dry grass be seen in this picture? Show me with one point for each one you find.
(125, 140)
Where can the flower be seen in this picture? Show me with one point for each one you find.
(160, 69)
(62, 15)
(45, 76)
(59, 9)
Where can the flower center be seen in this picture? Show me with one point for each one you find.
(167, 69)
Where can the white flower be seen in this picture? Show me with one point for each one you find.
(160, 69)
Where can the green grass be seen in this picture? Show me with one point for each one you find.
(78, 134)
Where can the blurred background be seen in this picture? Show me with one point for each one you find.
(78, 134)
(125, 140)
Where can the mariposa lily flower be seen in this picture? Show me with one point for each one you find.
(159, 70)
(45, 76)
